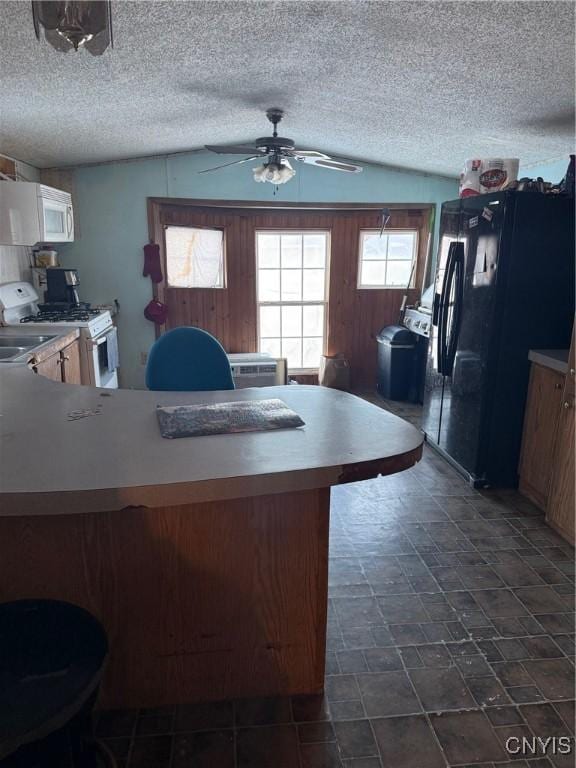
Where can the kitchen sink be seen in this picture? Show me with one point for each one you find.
(7, 354)
(13, 348)
(26, 342)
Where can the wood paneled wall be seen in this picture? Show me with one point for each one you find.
(354, 316)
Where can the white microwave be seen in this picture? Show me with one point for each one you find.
(33, 213)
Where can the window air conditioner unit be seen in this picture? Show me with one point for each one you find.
(255, 369)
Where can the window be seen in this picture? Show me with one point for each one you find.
(195, 257)
(291, 290)
(387, 261)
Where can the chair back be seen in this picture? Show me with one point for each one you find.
(188, 359)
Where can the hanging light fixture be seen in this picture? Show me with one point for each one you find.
(276, 171)
(74, 25)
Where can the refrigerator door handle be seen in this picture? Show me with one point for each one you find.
(442, 308)
(436, 309)
(454, 290)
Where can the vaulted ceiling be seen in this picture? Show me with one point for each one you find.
(413, 84)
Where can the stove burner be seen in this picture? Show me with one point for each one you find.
(62, 316)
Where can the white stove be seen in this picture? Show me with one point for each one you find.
(98, 340)
(95, 321)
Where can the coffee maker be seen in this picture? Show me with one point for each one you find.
(62, 287)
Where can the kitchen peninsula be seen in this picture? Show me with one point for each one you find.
(205, 558)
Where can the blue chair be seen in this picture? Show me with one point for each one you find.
(187, 360)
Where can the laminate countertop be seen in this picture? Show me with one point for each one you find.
(55, 463)
(556, 359)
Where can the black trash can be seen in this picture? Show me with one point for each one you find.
(396, 351)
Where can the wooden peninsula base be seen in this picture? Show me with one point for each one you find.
(206, 558)
(204, 601)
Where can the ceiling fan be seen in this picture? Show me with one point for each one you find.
(277, 152)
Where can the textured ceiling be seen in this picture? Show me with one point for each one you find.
(412, 84)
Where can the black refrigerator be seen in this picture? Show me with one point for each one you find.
(504, 285)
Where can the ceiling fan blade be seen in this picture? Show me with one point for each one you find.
(233, 149)
(235, 162)
(327, 163)
(309, 153)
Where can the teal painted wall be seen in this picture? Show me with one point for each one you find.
(111, 214)
(553, 171)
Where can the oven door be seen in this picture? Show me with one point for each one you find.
(102, 372)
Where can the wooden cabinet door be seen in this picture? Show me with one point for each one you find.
(561, 505)
(71, 363)
(540, 422)
(51, 367)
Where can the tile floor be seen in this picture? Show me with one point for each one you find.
(451, 630)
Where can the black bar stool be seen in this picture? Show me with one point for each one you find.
(52, 657)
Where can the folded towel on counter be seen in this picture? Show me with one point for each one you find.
(223, 418)
(112, 349)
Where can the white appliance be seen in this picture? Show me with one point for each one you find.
(256, 369)
(19, 305)
(33, 213)
(418, 319)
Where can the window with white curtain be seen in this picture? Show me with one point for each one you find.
(195, 257)
(292, 269)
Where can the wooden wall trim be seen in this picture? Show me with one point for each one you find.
(274, 204)
(7, 166)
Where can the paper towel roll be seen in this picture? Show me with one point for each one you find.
(470, 178)
(497, 174)
(480, 176)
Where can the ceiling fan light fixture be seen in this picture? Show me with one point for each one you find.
(74, 24)
(274, 172)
